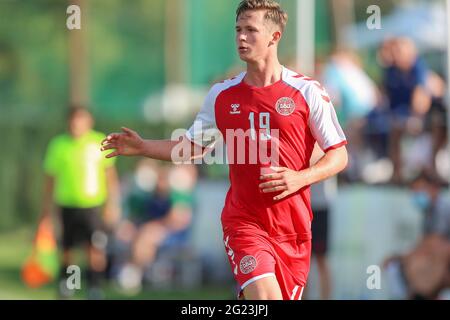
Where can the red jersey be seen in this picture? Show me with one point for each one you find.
(299, 111)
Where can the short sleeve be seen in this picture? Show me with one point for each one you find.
(323, 120)
(51, 158)
(204, 130)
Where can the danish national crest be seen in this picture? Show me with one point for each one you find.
(285, 106)
(248, 264)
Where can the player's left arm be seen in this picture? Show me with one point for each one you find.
(112, 206)
(289, 181)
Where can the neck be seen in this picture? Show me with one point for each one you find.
(263, 73)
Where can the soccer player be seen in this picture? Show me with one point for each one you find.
(267, 215)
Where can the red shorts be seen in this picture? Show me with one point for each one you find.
(255, 256)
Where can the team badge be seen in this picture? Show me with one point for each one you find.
(247, 264)
(285, 106)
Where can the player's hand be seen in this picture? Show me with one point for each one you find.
(282, 180)
(126, 143)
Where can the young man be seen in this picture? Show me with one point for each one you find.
(267, 215)
(81, 183)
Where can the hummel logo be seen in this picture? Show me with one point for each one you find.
(235, 109)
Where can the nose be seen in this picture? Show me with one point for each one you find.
(241, 36)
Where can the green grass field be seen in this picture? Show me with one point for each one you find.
(15, 248)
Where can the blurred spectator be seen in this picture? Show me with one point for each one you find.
(436, 119)
(155, 217)
(354, 96)
(82, 184)
(425, 271)
(405, 84)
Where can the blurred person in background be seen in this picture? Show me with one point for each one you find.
(436, 120)
(354, 96)
(405, 85)
(321, 197)
(154, 217)
(84, 187)
(424, 272)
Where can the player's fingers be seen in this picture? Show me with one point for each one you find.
(273, 183)
(105, 141)
(274, 189)
(111, 137)
(128, 131)
(270, 176)
(281, 196)
(279, 169)
(112, 154)
(108, 146)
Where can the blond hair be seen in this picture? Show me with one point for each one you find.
(274, 12)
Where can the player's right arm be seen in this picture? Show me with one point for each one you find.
(47, 197)
(129, 143)
(195, 144)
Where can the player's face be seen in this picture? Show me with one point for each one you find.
(254, 36)
(80, 123)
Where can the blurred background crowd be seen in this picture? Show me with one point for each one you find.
(148, 66)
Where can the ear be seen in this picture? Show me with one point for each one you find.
(276, 36)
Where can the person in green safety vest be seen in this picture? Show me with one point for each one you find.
(84, 188)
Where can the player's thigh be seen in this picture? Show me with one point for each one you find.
(72, 228)
(292, 267)
(263, 289)
(251, 258)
